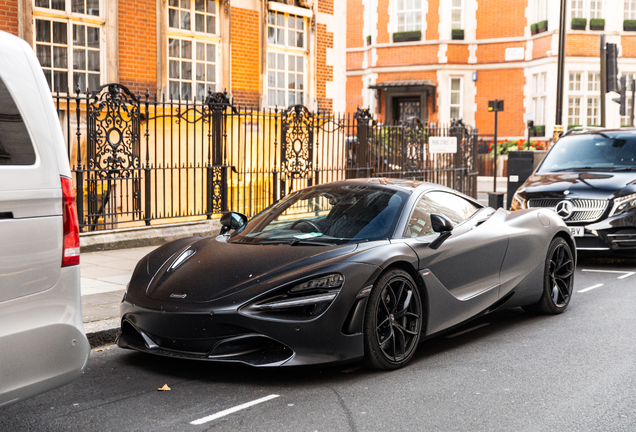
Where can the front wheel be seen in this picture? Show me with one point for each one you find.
(558, 279)
(393, 321)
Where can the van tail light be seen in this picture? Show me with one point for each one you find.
(71, 252)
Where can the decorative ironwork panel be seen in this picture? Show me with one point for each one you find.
(414, 144)
(297, 139)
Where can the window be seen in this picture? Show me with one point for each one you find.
(596, 9)
(630, 10)
(456, 98)
(409, 15)
(192, 48)
(541, 10)
(574, 111)
(286, 59)
(575, 81)
(593, 115)
(457, 19)
(16, 147)
(69, 47)
(539, 83)
(577, 9)
(626, 119)
(594, 81)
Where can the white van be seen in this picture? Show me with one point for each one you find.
(42, 339)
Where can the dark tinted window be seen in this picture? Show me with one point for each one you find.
(454, 207)
(15, 143)
(608, 151)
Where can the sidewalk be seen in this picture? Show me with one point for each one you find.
(106, 273)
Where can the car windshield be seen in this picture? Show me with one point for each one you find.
(609, 151)
(326, 215)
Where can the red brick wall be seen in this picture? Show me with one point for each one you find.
(325, 6)
(432, 20)
(245, 57)
(138, 45)
(495, 52)
(541, 46)
(457, 53)
(506, 85)
(9, 16)
(581, 45)
(324, 72)
(354, 93)
(501, 18)
(354, 60)
(407, 55)
(383, 21)
(629, 46)
(355, 24)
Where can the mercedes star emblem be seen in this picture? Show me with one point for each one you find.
(564, 209)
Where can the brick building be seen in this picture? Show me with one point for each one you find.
(266, 53)
(444, 59)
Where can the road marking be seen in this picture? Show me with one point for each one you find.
(590, 288)
(626, 275)
(467, 330)
(233, 410)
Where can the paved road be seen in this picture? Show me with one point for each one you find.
(511, 371)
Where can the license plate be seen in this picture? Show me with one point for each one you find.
(576, 231)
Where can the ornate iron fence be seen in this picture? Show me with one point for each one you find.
(138, 159)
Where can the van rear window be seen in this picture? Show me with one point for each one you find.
(16, 147)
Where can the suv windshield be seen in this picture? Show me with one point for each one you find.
(608, 151)
(325, 216)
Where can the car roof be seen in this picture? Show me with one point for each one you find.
(403, 185)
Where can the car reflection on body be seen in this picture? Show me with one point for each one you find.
(359, 269)
(589, 179)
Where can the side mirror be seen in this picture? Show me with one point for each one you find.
(232, 221)
(442, 225)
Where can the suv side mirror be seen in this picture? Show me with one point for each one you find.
(232, 221)
(443, 225)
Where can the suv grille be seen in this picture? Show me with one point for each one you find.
(585, 210)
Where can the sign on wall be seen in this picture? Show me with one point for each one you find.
(513, 54)
(442, 144)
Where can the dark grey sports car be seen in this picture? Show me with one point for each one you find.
(360, 269)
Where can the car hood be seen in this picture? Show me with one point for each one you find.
(218, 269)
(587, 184)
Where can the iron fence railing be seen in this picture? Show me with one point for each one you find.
(137, 159)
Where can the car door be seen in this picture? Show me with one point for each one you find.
(462, 275)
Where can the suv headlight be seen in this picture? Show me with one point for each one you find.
(518, 202)
(623, 204)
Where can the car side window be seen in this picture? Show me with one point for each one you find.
(456, 208)
(16, 147)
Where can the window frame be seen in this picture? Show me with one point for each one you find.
(626, 119)
(539, 96)
(630, 11)
(406, 27)
(460, 8)
(460, 105)
(286, 50)
(589, 98)
(195, 37)
(71, 19)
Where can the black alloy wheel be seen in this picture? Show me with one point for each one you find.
(558, 280)
(393, 321)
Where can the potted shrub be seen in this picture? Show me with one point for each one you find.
(539, 130)
(629, 25)
(579, 23)
(369, 40)
(534, 29)
(407, 36)
(457, 34)
(543, 26)
(597, 24)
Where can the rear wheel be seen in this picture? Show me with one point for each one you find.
(558, 279)
(393, 321)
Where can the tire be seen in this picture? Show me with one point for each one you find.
(558, 279)
(393, 321)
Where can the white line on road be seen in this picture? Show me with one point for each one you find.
(590, 288)
(626, 275)
(233, 410)
(467, 330)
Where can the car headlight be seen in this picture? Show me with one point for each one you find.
(518, 202)
(304, 301)
(623, 204)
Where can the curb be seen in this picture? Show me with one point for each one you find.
(103, 337)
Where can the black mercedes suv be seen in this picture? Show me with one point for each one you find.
(589, 179)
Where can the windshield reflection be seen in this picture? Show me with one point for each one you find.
(326, 215)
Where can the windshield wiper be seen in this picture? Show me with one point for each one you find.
(625, 169)
(583, 168)
(295, 242)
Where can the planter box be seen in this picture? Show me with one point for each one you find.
(457, 34)
(407, 36)
(538, 131)
(579, 23)
(597, 24)
(543, 26)
(629, 25)
(368, 40)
